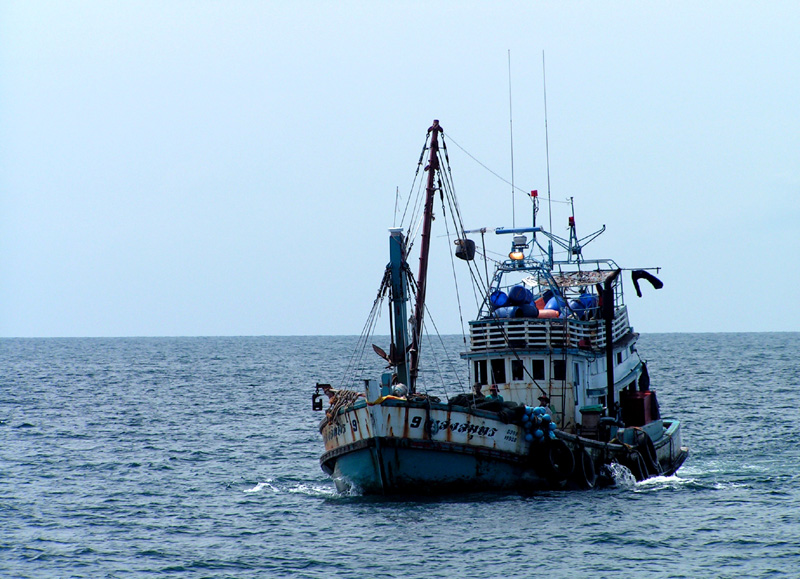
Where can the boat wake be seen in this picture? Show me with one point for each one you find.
(308, 489)
(350, 489)
(621, 475)
(261, 486)
(624, 479)
(659, 483)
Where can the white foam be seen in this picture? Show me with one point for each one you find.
(299, 488)
(663, 482)
(312, 490)
(261, 486)
(623, 478)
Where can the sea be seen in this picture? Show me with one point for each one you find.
(199, 457)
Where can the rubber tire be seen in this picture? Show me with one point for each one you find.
(647, 450)
(635, 463)
(584, 475)
(558, 460)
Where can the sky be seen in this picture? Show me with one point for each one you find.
(230, 168)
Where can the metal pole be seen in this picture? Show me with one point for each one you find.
(419, 313)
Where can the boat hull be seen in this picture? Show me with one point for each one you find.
(400, 447)
(392, 465)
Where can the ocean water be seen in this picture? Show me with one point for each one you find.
(198, 457)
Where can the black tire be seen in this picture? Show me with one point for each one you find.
(647, 450)
(584, 475)
(558, 460)
(635, 463)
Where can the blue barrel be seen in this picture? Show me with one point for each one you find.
(506, 312)
(578, 308)
(519, 295)
(555, 303)
(588, 300)
(498, 299)
(526, 311)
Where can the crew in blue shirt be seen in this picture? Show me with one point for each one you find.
(494, 394)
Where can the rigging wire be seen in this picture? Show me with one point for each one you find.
(446, 189)
(477, 281)
(416, 174)
(511, 135)
(456, 212)
(455, 277)
(441, 341)
(503, 179)
(367, 331)
(547, 145)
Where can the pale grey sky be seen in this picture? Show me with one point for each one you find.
(229, 168)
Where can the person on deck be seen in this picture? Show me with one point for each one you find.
(544, 401)
(494, 394)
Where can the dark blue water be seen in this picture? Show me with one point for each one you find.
(197, 457)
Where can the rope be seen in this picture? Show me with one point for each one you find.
(342, 399)
(455, 277)
(416, 174)
(452, 368)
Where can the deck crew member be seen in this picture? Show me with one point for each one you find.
(494, 394)
(544, 401)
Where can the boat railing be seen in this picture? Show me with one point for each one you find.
(519, 333)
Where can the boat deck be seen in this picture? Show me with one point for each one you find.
(496, 334)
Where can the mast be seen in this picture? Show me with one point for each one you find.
(399, 280)
(419, 312)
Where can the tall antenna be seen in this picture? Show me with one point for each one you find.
(547, 145)
(511, 133)
(396, 201)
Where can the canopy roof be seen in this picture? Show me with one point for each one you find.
(573, 278)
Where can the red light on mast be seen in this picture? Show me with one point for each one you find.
(535, 193)
(572, 221)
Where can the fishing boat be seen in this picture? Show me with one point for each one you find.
(557, 394)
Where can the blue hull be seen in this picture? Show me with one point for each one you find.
(391, 465)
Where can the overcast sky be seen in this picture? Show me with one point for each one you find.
(230, 168)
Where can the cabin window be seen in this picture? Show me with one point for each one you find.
(577, 377)
(480, 372)
(538, 370)
(517, 370)
(498, 371)
(619, 358)
(559, 370)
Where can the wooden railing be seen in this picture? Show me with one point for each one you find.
(520, 333)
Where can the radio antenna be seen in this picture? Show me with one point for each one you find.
(547, 145)
(511, 134)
